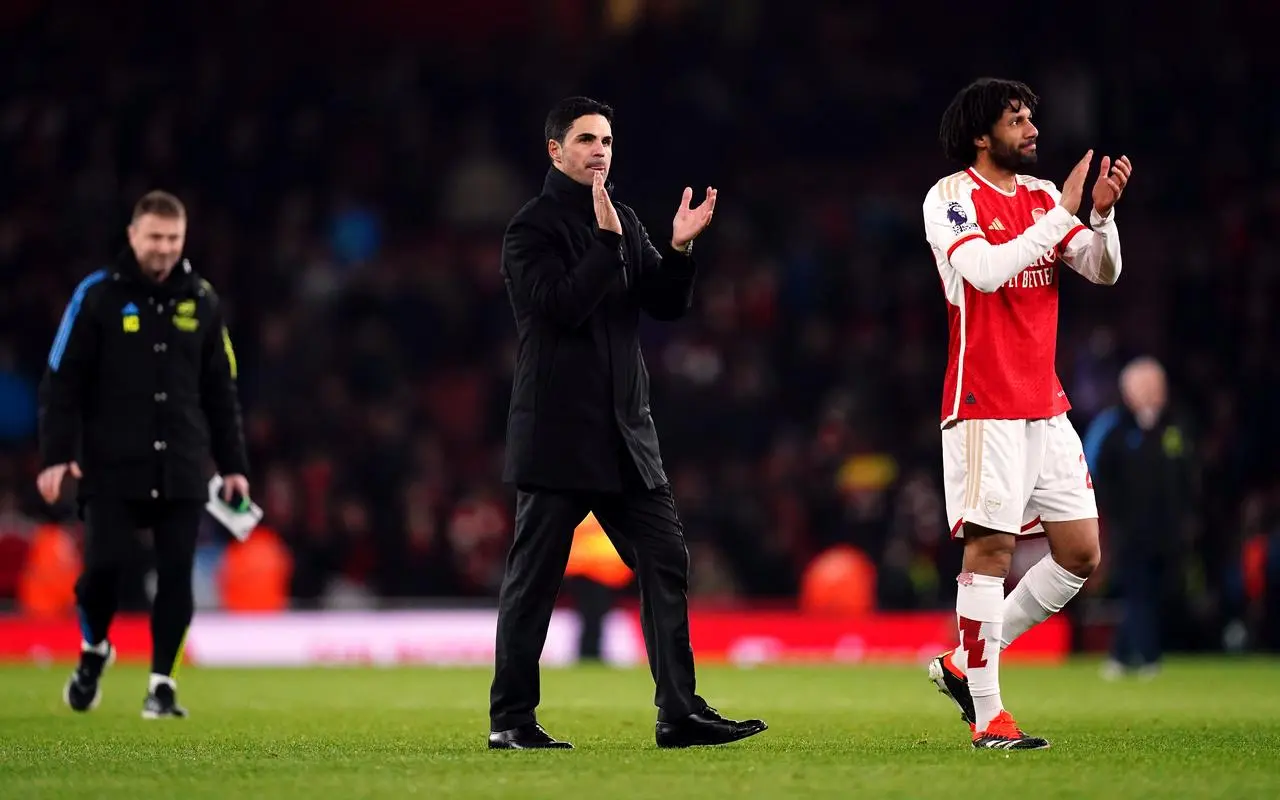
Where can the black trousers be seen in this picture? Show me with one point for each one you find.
(1137, 637)
(111, 549)
(646, 530)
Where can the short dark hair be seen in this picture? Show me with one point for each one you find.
(975, 110)
(160, 203)
(563, 114)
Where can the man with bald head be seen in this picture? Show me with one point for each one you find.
(1142, 460)
(1144, 390)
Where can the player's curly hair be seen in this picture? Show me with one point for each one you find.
(975, 110)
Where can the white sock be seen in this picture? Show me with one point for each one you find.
(979, 613)
(101, 648)
(1041, 593)
(157, 680)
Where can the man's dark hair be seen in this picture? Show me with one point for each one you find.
(162, 204)
(562, 115)
(975, 110)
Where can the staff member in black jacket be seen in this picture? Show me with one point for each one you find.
(579, 270)
(1144, 465)
(139, 389)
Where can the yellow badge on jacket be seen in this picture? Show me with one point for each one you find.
(129, 322)
(186, 324)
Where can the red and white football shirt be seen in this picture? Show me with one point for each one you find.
(1004, 316)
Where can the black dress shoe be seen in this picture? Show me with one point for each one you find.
(526, 737)
(706, 727)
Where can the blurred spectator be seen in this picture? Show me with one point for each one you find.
(17, 400)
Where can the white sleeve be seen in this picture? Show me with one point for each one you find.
(1095, 254)
(951, 227)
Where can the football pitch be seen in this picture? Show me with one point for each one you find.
(1204, 728)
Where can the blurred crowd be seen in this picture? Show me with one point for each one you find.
(349, 169)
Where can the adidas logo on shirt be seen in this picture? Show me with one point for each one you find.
(996, 225)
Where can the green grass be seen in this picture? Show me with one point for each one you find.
(1202, 729)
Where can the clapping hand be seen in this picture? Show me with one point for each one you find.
(1112, 178)
(689, 222)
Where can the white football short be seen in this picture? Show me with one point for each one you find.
(1010, 475)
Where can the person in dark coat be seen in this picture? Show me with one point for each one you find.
(1141, 455)
(137, 402)
(579, 270)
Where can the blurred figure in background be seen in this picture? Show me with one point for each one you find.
(1255, 605)
(1141, 459)
(595, 575)
(139, 394)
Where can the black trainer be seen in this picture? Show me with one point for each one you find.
(163, 702)
(954, 686)
(83, 692)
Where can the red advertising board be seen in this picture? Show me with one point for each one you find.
(467, 637)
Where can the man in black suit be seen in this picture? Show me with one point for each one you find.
(579, 269)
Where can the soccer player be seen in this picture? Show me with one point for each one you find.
(1012, 463)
